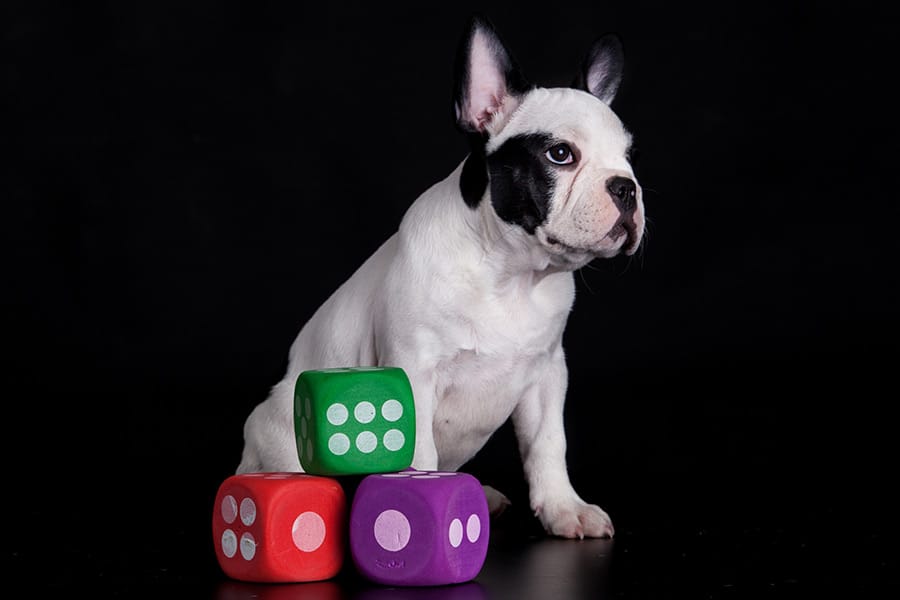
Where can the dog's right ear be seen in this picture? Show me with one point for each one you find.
(488, 83)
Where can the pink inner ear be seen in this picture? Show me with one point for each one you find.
(487, 83)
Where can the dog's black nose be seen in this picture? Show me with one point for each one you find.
(623, 192)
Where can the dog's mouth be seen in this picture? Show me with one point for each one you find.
(625, 230)
(622, 238)
(564, 252)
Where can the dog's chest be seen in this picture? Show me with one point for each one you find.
(501, 355)
(475, 396)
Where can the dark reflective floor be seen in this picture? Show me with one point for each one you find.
(530, 569)
(807, 548)
(538, 569)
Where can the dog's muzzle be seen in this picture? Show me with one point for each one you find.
(623, 192)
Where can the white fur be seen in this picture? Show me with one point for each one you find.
(473, 309)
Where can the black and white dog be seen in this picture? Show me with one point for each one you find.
(471, 295)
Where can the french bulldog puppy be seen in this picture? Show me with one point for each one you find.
(471, 295)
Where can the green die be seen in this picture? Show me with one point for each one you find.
(354, 421)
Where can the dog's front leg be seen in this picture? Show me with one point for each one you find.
(423, 387)
(538, 421)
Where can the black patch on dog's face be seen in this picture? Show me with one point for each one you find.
(522, 180)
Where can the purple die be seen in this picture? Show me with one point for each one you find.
(419, 528)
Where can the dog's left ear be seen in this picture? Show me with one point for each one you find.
(488, 83)
(601, 72)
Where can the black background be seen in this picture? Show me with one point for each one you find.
(185, 183)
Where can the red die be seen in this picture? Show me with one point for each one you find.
(280, 527)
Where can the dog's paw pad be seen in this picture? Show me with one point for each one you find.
(496, 501)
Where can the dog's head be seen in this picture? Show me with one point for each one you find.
(553, 161)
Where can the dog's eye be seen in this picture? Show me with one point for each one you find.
(560, 154)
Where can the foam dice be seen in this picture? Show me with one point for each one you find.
(280, 527)
(354, 421)
(419, 528)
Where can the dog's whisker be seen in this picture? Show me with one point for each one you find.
(585, 282)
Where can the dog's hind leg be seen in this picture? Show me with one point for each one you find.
(250, 463)
(269, 443)
(496, 501)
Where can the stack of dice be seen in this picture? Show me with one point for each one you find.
(403, 527)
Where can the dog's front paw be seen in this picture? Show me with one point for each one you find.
(575, 519)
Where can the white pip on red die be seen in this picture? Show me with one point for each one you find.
(280, 527)
(419, 528)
